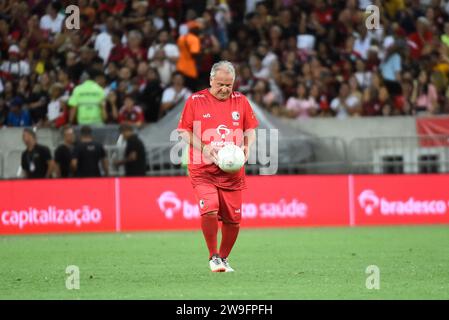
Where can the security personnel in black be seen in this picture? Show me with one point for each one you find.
(88, 155)
(36, 160)
(64, 154)
(135, 156)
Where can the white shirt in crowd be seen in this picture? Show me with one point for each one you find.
(55, 26)
(165, 70)
(171, 50)
(159, 23)
(20, 68)
(362, 45)
(104, 45)
(54, 110)
(364, 3)
(364, 78)
(336, 105)
(269, 59)
(170, 95)
(251, 5)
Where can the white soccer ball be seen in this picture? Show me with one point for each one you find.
(231, 158)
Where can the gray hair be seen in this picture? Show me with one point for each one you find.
(136, 34)
(222, 65)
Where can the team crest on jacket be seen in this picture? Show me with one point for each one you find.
(235, 115)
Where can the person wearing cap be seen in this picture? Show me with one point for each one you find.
(17, 115)
(15, 66)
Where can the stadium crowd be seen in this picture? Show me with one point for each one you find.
(297, 59)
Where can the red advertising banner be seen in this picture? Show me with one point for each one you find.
(269, 201)
(401, 199)
(279, 201)
(165, 203)
(46, 206)
(433, 130)
(168, 203)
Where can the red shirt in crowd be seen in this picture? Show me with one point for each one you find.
(416, 43)
(135, 115)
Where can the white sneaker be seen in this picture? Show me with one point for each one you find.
(227, 265)
(216, 264)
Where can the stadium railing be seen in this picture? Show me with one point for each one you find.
(397, 155)
(330, 155)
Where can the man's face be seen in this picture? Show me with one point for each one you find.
(129, 103)
(69, 136)
(127, 134)
(163, 37)
(178, 81)
(110, 22)
(28, 139)
(221, 85)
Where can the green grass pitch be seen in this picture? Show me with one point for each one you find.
(295, 263)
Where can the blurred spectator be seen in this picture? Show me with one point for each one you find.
(73, 66)
(150, 97)
(189, 48)
(210, 49)
(162, 20)
(103, 41)
(223, 18)
(15, 67)
(424, 95)
(18, 116)
(354, 90)
(244, 80)
(345, 105)
(134, 48)
(64, 154)
(117, 51)
(3, 112)
(370, 104)
(64, 80)
(385, 103)
(164, 67)
(57, 114)
(135, 156)
(164, 43)
(362, 75)
(174, 94)
(391, 69)
(51, 22)
(257, 68)
(87, 104)
(88, 155)
(302, 106)
(420, 41)
(36, 159)
(131, 113)
(111, 107)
